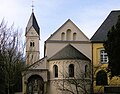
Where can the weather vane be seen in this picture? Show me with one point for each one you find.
(32, 6)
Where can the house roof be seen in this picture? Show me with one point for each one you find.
(101, 34)
(69, 52)
(32, 23)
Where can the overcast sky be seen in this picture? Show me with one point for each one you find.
(88, 15)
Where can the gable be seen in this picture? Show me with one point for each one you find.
(40, 64)
(68, 32)
(32, 32)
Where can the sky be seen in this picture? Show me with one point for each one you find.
(88, 15)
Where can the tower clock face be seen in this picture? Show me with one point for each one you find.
(31, 32)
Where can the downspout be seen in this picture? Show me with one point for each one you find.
(92, 90)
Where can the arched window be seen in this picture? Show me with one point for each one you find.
(86, 70)
(55, 69)
(101, 78)
(74, 36)
(68, 35)
(62, 36)
(71, 70)
(32, 44)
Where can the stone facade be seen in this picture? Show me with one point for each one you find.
(67, 58)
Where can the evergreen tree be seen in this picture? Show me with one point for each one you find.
(2, 78)
(112, 47)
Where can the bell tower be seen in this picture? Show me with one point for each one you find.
(32, 35)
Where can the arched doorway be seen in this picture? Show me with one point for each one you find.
(35, 85)
(101, 78)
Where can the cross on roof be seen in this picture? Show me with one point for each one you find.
(32, 6)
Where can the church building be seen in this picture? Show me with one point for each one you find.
(66, 65)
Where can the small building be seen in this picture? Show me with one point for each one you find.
(101, 81)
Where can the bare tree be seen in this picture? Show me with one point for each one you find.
(80, 83)
(11, 59)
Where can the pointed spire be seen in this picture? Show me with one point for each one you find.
(32, 23)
